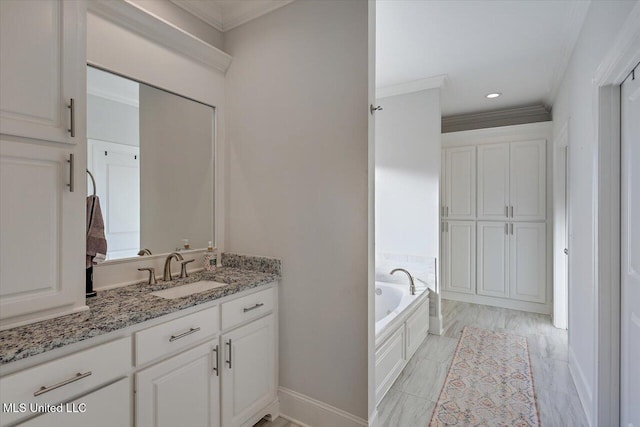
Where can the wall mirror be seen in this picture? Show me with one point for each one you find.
(150, 161)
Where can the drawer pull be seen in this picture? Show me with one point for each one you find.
(46, 389)
(184, 334)
(254, 307)
(217, 359)
(229, 361)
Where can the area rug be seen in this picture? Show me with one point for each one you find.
(489, 383)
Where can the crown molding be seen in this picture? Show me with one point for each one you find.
(113, 97)
(136, 19)
(412, 86)
(209, 12)
(497, 118)
(577, 15)
(227, 15)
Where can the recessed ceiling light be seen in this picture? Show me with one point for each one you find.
(493, 95)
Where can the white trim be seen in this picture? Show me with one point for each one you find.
(211, 14)
(582, 386)
(560, 283)
(138, 20)
(497, 135)
(435, 325)
(577, 14)
(619, 61)
(307, 412)
(111, 96)
(533, 307)
(434, 82)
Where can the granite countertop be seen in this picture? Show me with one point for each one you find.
(122, 307)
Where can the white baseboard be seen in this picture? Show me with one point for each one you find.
(309, 412)
(584, 391)
(435, 325)
(373, 419)
(498, 302)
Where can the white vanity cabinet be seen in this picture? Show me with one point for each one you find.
(42, 45)
(180, 391)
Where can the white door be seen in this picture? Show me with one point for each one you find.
(527, 265)
(42, 229)
(460, 258)
(116, 169)
(460, 183)
(248, 375)
(630, 252)
(493, 181)
(42, 55)
(527, 180)
(493, 259)
(106, 407)
(181, 391)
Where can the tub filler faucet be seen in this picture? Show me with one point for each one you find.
(412, 286)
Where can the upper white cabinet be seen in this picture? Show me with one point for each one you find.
(527, 180)
(511, 181)
(249, 371)
(42, 232)
(42, 52)
(493, 181)
(459, 201)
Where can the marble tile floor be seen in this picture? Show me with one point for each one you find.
(413, 396)
(280, 422)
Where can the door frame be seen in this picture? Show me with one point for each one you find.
(561, 227)
(616, 65)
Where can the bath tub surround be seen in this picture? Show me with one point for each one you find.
(402, 323)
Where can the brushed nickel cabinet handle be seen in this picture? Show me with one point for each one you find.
(72, 127)
(447, 209)
(506, 228)
(442, 211)
(442, 227)
(229, 361)
(506, 211)
(216, 361)
(446, 227)
(46, 389)
(254, 307)
(512, 228)
(71, 173)
(184, 334)
(511, 211)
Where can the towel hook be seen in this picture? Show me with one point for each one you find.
(93, 181)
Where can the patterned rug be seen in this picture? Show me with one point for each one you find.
(489, 383)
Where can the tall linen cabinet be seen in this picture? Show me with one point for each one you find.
(495, 242)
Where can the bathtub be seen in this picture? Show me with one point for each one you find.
(402, 324)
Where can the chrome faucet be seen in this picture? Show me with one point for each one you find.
(167, 265)
(143, 252)
(412, 286)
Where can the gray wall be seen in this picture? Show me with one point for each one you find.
(297, 97)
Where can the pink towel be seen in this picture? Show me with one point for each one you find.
(96, 240)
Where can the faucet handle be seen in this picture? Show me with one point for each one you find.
(183, 268)
(152, 274)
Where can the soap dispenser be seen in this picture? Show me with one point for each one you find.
(211, 258)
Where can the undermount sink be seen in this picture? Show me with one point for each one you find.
(189, 289)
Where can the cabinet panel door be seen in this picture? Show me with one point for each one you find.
(181, 391)
(493, 181)
(248, 376)
(106, 407)
(527, 266)
(417, 328)
(527, 180)
(42, 55)
(460, 183)
(42, 230)
(493, 259)
(460, 272)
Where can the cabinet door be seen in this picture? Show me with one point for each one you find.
(181, 391)
(460, 258)
(107, 407)
(417, 328)
(527, 180)
(43, 66)
(493, 259)
(248, 376)
(493, 181)
(42, 230)
(527, 266)
(460, 183)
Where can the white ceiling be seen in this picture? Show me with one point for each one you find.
(225, 15)
(518, 47)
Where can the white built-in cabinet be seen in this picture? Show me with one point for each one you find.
(493, 213)
(42, 159)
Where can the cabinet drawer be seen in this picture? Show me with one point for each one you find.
(176, 334)
(246, 308)
(62, 379)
